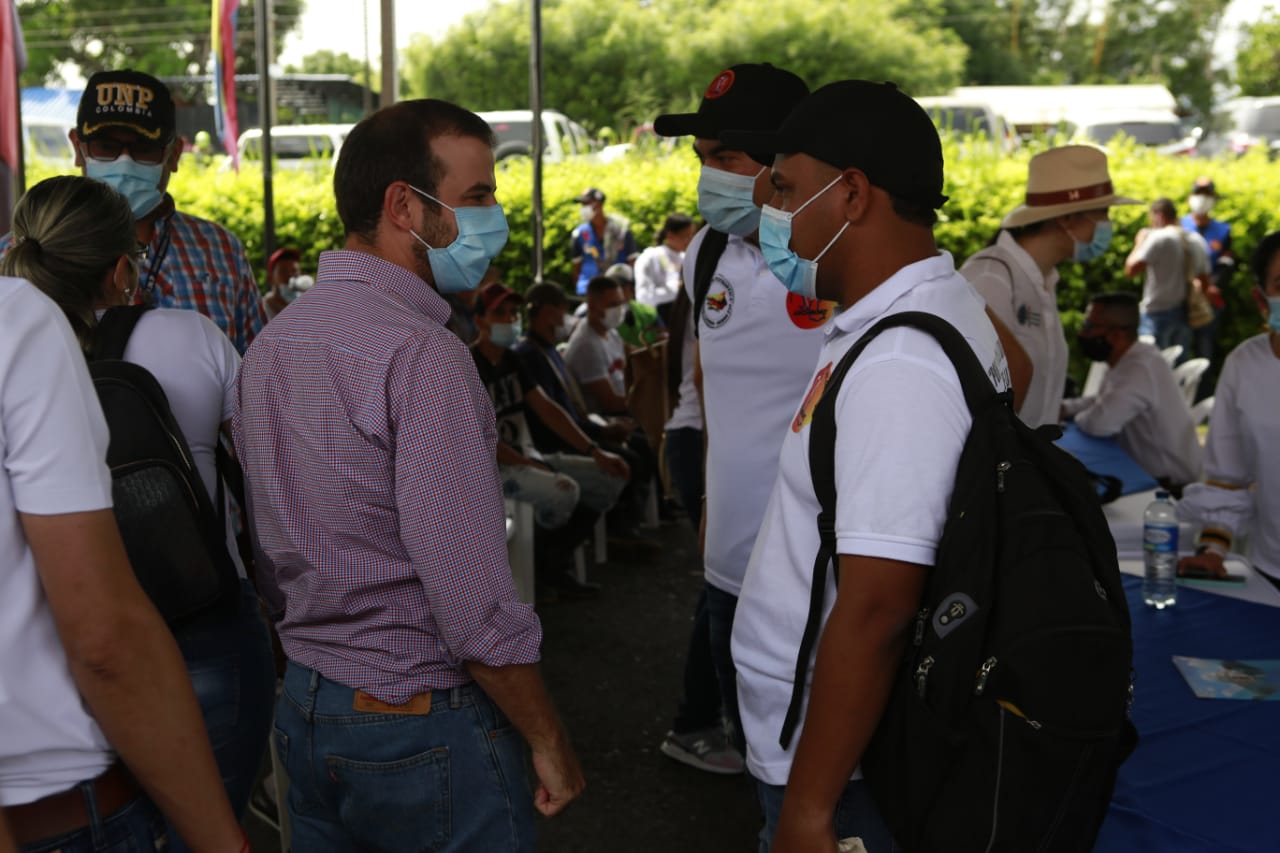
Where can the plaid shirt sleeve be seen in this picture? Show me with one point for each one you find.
(445, 445)
(250, 313)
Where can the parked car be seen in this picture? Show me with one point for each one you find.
(562, 137)
(1157, 129)
(296, 146)
(1248, 123)
(968, 116)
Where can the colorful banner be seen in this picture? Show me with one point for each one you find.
(11, 62)
(224, 76)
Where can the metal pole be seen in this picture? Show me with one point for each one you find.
(366, 95)
(535, 101)
(266, 98)
(389, 82)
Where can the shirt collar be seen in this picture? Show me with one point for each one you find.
(349, 265)
(877, 303)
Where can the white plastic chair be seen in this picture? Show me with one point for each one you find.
(1201, 411)
(1188, 375)
(1172, 354)
(520, 547)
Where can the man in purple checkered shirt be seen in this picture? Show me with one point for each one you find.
(369, 448)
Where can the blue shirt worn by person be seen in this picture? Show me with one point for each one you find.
(1216, 234)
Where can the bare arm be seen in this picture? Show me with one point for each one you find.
(858, 654)
(127, 666)
(522, 696)
(551, 414)
(1020, 369)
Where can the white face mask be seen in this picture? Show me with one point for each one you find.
(1201, 204)
(586, 212)
(613, 316)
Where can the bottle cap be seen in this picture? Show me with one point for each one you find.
(1162, 495)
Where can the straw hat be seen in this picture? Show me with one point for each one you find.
(1065, 180)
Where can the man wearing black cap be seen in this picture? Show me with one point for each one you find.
(756, 346)
(857, 179)
(600, 241)
(124, 136)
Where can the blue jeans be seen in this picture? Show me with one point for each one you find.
(136, 828)
(700, 702)
(720, 609)
(233, 673)
(1168, 327)
(856, 816)
(453, 779)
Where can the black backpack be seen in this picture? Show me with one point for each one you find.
(1008, 718)
(704, 269)
(175, 539)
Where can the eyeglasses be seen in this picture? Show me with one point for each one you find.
(141, 150)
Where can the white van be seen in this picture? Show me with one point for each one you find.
(965, 116)
(47, 140)
(562, 137)
(296, 146)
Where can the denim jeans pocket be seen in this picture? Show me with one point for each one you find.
(384, 803)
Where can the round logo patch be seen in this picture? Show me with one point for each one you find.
(808, 313)
(718, 307)
(811, 399)
(720, 85)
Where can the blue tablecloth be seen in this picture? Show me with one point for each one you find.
(1206, 774)
(1104, 456)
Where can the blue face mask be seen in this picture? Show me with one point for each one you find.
(504, 334)
(1086, 252)
(482, 232)
(1273, 318)
(725, 201)
(799, 275)
(137, 182)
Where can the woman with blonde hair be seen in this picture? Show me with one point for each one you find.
(74, 239)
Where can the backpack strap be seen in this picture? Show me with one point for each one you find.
(111, 335)
(978, 392)
(705, 268)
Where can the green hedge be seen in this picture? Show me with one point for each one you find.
(647, 186)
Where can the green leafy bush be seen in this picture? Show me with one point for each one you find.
(647, 185)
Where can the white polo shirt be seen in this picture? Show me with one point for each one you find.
(1141, 405)
(657, 272)
(53, 442)
(758, 344)
(1242, 451)
(1026, 301)
(902, 422)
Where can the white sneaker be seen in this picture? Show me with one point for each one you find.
(707, 749)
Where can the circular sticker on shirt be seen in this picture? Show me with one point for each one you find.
(808, 313)
(718, 306)
(720, 85)
(811, 399)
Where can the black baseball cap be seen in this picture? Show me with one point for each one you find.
(546, 294)
(1204, 186)
(859, 124)
(751, 96)
(589, 195)
(127, 99)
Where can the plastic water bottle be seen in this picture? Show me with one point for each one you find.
(1160, 553)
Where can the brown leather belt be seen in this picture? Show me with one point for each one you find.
(66, 811)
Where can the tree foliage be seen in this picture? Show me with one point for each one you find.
(622, 63)
(1258, 60)
(331, 62)
(166, 38)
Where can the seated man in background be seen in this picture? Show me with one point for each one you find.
(284, 280)
(597, 355)
(1139, 402)
(568, 491)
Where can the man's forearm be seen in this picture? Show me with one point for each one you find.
(521, 694)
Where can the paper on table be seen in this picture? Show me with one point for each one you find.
(1231, 679)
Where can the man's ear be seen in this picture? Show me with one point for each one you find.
(75, 143)
(396, 208)
(175, 154)
(855, 189)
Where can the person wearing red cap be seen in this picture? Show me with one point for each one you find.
(568, 491)
(600, 241)
(285, 280)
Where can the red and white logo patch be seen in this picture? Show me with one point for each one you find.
(720, 85)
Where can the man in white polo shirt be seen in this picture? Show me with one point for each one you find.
(757, 344)
(858, 179)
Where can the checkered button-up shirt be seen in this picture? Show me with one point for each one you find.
(368, 443)
(194, 263)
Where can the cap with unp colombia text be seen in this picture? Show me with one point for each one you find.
(126, 99)
(873, 127)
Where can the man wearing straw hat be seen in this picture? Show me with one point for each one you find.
(1063, 218)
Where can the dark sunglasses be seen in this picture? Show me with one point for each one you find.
(141, 150)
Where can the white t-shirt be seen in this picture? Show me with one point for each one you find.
(688, 411)
(758, 344)
(1243, 451)
(658, 275)
(903, 422)
(1165, 285)
(591, 357)
(1141, 405)
(1026, 301)
(53, 442)
(196, 365)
